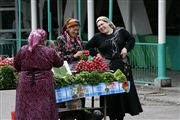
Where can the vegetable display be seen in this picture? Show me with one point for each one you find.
(8, 77)
(91, 78)
(88, 63)
(89, 70)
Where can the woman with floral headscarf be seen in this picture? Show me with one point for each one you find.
(113, 44)
(69, 43)
(71, 46)
(35, 95)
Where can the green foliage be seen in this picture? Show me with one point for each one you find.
(95, 78)
(120, 76)
(8, 78)
(85, 77)
(61, 71)
(64, 81)
(82, 77)
(92, 78)
(108, 77)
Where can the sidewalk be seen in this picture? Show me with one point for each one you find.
(169, 95)
(164, 94)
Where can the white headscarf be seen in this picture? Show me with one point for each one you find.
(105, 19)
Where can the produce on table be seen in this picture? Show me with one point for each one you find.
(85, 55)
(95, 64)
(90, 70)
(86, 77)
(6, 61)
(8, 77)
(119, 75)
(125, 86)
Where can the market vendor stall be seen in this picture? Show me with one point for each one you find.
(8, 76)
(92, 78)
(76, 91)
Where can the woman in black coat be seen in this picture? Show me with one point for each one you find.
(114, 43)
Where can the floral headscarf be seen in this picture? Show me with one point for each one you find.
(105, 19)
(69, 23)
(35, 38)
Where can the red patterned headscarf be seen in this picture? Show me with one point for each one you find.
(69, 23)
(35, 38)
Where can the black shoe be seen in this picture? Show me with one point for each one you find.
(97, 115)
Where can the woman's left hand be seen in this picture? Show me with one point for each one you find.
(78, 54)
(124, 52)
(52, 45)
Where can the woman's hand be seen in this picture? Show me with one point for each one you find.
(124, 52)
(78, 54)
(99, 55)
(51, 44)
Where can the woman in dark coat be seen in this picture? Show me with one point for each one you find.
(35, 92)
(114, 43)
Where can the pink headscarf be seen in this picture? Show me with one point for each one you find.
(35, 38)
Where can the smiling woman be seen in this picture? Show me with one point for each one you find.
(114, 43)
(105, 25)
(69, 43)
(72, 48)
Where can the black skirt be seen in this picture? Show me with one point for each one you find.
(119, 104)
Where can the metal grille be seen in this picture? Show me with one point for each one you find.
(144, 62)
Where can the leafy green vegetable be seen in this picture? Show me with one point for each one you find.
(64, 81)
(108, 77)
(61, 71)
(8, 78)
(119, 75)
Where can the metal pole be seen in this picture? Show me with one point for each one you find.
(19, 26)
(33, 14)
(110, 9)
(79, 15)
(49, 20)
(90, 6)
(129, 18)
(40, 5)
(162, 80)
(161, 36)
(59, 14)
(75, 9)
(105, 107)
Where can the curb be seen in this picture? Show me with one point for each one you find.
(163, 96)
(173, 102)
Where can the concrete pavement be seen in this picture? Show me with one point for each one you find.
(158, 103)
(7, 103)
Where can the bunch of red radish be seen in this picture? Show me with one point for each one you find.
(6, 61)
(85, 55)
(96, 64)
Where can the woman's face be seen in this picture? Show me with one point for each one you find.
(73, 30)
(103, 26)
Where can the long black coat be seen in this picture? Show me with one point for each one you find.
(110, 47)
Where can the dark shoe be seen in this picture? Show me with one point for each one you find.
(97, 115)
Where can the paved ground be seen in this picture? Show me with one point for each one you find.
(7, 104)
(158, 104)
(157, 113)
